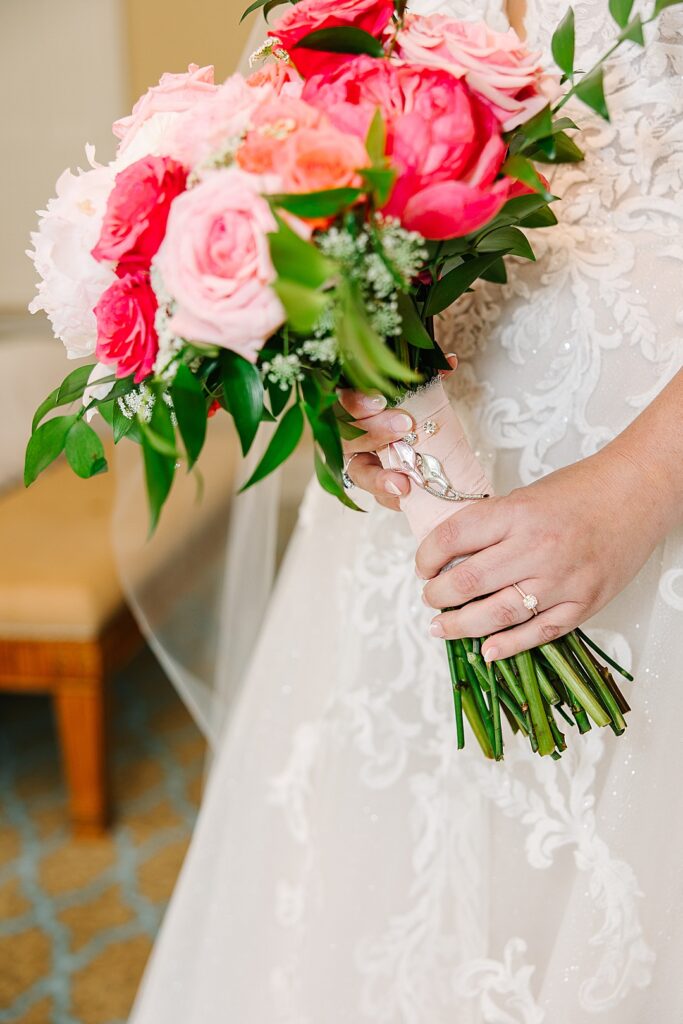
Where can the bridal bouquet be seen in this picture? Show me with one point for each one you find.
(259, 243)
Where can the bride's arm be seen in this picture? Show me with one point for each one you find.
(574, 539)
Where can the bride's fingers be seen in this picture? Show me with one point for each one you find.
(366, 471)
(360, 405)
(488, 615)
(472, 529)
(380, 430)
(541, 629)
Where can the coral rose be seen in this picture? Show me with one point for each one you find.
(137, 210)
(126, 336)
(272, 125)
(215, 262)
(497, 65)
(174, 94)
(313, 15)
(317, 159)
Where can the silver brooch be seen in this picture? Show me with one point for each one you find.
(426, 471)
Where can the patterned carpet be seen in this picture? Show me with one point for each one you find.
(77, 919)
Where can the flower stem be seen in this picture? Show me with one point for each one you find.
(605, 657)
(477, 725)
(457, 694)
(575, 685)
(477, 694)
(527, 675)
(495, 714)
(599, 683)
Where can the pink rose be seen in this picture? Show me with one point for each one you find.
(126, 336)
(214, 123)
(444, 141)
(313, 15)
(215, 262)
(497, 65)
(173, 94)
(137, 210)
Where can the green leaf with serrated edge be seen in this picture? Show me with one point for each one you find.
(282, 444)
(376, 139)
(328, 482)
(243, 390)
(620, 11)
(45, 445)
(591, 91)
(414, 331)
(303, 305)
(565, 152)
(563, 43)
(347, 39)
(296, 259)
(189, 403)
(543, 218)
(454, 284)
(519, 168)
(509, 239)
(633, 32)
(496, 273)
(380, 181)
(327, 203)
(72, 387)
(84, 451)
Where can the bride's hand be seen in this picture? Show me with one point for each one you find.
(574, 539)
(381, 426)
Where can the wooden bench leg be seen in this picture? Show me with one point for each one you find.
(80, 707)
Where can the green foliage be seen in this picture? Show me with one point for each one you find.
(268, 6)
(591, 90)
(46, 444)
(189, 403)
(633, 32)
(367, 360)
(620, 11)
(661, 5)
(376, 139)
(84, 450)
(563, 44)
(159, 454)
(414, 331)
(379, 181)
(342, 40)
(303, 305)
(298, 260)
(457, 281)
(521, 169)
(328, 203)
(282, 444)
(71, 389)
(243, 391)
(508, 239)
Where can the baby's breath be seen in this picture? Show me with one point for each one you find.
(284, 371)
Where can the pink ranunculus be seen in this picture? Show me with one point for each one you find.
(215, 263)
(215, 124)
(438, 133)
(137, 210)
(173, 95)
(282, 78)
(318, 159)
(313, 15)
(272, 125)
(496, 65)
(126, 336)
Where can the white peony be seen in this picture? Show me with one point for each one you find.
(151, 139)
(96, 391)
(71, 280)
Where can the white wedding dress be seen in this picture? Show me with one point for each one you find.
(349, 864)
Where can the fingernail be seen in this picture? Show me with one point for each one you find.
(436, 629)
(419, 574)
(490, 654)
(452, 355)
(391, 487)
(424, 598)
(376, 401)
(401, 423)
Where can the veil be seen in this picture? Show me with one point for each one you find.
(200, 586)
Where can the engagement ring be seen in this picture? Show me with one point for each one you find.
(530, 601)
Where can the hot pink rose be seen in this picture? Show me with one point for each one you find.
(497, 65)
(215, 262)
(126, 336)
(137, 210)
(214, 123)
(443, 140)
(173, 94)
(313, 15)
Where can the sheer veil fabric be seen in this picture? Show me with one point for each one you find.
(349, 864)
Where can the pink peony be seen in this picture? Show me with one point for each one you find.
(313, 15)
(126, 336)
(215, 262)
(137, 210)
(497, 65)
(444, 141)
(174, 94)
(215, 124)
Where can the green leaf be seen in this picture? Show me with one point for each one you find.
(380, 182)
(497, 272)
(243, 390)
(329, 483)
(270, 4)
(563, 42)
(159, 465)
(296, 259)
(121, 425)
(414, 331)
(510, 239)
(328, 203)
(189, 403)
(660, 5)
(282, 444)
(367, 359)
(303, 305)
(347, 39)
(633, 32)
(620, 11)
(565, 152)
(563, 124)
(591, 90)
(454, 284)
(376, 139)
(71, 388)
(46, 443)
(84, 451)
(540, 125)
(278, 397)
(350, 432)
(521, 169)
(542, 218)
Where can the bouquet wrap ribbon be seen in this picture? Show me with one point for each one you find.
(448, 444)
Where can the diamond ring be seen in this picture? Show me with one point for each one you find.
(530, 601)
(346, 479)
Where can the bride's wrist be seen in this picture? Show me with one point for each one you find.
(637, 485)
